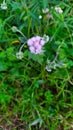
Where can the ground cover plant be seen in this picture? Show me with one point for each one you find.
(36, 65)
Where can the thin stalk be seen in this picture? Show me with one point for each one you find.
(22, 46)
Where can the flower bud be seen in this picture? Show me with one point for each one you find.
(19, 55)
(14, 29)
(3, 6)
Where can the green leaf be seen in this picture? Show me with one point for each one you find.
(4, 98)
(3, 66)
(45, 3)
(36, 57)
(35, 122)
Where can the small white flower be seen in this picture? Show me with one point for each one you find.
(45, 10)
(4, 5)
(46, 38)
(19, 55)
(58, 10)
(40, 16)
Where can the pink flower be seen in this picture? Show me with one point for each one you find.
(38, 38)
(59, 10)
(33, 39)
(32, 49)
(35, 50)
(35, 44)
(38, 51)
(39, 47)
(30, 42)
(42, 42)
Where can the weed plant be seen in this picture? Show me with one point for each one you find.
(36, 88)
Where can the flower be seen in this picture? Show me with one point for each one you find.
(45, 38)
(4, 5)
(45, 10)
(42, 42)
(35, 44)
(32, 49)
(49, 16)
(29, 42)
(19, 55)
(58, 10)
(40, 16)
(38, 51)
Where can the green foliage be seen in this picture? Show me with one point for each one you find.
(31, 96)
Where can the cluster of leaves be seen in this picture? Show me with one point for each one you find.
(41, 99)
